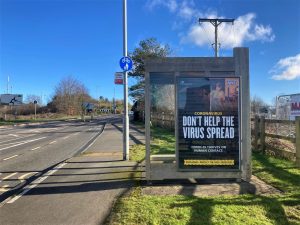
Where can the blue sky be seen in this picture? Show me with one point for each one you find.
(43, 41)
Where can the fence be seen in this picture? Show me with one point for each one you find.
(277, 137)
(164, 120)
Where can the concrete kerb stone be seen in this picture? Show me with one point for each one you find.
(255, 186)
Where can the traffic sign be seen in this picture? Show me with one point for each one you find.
(118, 78)
(11, 99)
(126, 63)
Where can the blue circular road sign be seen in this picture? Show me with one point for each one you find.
(126, 63)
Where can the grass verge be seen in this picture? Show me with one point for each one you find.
(243, 209)
(162, 142)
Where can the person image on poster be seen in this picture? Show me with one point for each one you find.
(217, 98)
(198, 99)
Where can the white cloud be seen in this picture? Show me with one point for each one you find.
(244, 29)
(170, 4)
(187, 10)
(287, 68)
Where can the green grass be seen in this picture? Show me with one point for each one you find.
(243, 209)
(246, 209)
(162, 142)
(280, 173)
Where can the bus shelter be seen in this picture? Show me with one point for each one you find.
(197, 117)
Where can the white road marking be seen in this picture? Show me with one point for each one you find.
(21, 143)
(17, 138)
(8, 176)
(41, 179)
(25, 175)
(35, 148)
(52, 142)
(76, 133)
(14, 135)
(10, 157)
(66, 137)
(4, 188)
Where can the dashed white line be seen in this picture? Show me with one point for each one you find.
(21, 143)
(14, 135)
(20, 137)
(35, 148)
(52, 142)
(66, 137)
(10, 157)
(41, 179)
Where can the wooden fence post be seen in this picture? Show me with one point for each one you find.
(298, 141)
(262, 134)
(256, 132)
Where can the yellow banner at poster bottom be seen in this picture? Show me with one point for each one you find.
(205, 162)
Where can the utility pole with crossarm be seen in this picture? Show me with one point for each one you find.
(216, 23)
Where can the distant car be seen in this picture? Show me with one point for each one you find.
(130, 112)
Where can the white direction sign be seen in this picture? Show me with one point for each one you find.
(11, 99)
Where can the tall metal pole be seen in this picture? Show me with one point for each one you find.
(216, 39)
(7, 84)
(126, 118)
(216, 23)
(34, 111)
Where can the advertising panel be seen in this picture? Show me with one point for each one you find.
(208, 123)
(295, 106)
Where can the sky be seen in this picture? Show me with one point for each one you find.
(44, 41)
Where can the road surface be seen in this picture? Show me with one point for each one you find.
(27, 152)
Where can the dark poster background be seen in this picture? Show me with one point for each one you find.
(208, 123)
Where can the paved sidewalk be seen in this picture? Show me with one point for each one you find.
(82, 191)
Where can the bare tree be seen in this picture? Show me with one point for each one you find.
(258, 105)
(163, 98)
(69, 96)
(31, 98)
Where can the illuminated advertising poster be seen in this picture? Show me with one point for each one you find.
(208, 123)
(295, 106)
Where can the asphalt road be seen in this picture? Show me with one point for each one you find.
(76, 191)
(28, 151)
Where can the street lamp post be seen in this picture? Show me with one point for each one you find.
(126, 118)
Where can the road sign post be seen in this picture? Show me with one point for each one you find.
(126, 65)
(35, 102)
